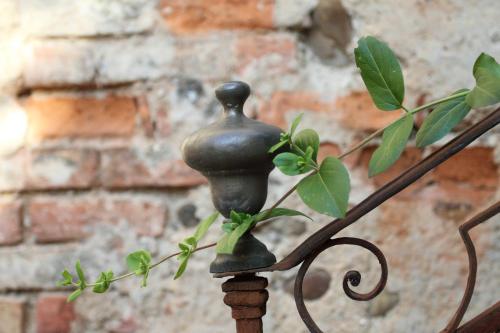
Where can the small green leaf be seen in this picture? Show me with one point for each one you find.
(204, 225)
(67, 279)
(227, 243)
(183, 246)
(276, 212)
(235, 217)
(139, 261)
(81, 276)
(229, 226)
(308, 138)
(442, 120)
(295, 124)
(184, 258)
(145, 276)
(393, 144)
(103, 282)
(327, 191)
(74, 295)
(381, 73)
(487, 90)
(288, 163)
(191, 241)
(277, 146)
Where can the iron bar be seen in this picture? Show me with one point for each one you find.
(352, 277)
(471, 252)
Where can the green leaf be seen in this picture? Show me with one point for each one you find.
(74, 295)
(393, 143)
(139, 261)
(145, 276)
(191, 241)
(276, 212)
(67, 279)
(327, 191)
(288, 163)
(184, 258)
(308, 138)
(183, 246)
(229, 226)
(81, 276)
(204, 225)
(227, 243)
(442, 120)
(487, 90)
(277, 146)
(103, 282)
(295, 124)
(235, 217)
(381, 73)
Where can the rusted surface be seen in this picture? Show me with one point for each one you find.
(351, 277)
(487, 322)
(247, 296)
(471, 252)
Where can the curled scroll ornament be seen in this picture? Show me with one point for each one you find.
(351, 277)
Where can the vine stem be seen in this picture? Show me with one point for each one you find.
(291, 190)
(412, 112)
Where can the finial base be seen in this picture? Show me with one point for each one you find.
(249, 253)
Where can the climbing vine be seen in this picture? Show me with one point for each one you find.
(326, 186)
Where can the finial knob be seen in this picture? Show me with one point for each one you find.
(232, 95)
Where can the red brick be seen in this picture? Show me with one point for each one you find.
(457, 194)
(54, 314)
(194, 16)
(12, 315)
(271, 53)
(62, 168)
(472, 166)
(11, 225)
(273, 112)
(123, 168)
(65, 219)
(59, 117)
(357, 111)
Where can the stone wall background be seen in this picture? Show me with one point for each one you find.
(96, 97)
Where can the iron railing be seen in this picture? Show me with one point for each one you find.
(487, 322)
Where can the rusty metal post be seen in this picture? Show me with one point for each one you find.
(246, 294)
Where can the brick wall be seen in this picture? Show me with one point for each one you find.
(96, 97)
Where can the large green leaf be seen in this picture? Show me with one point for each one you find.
(394, 142)
(487, 90)
(381, 73)
(327, 191)
(442, 120)
(308, 138)
(277, 212)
